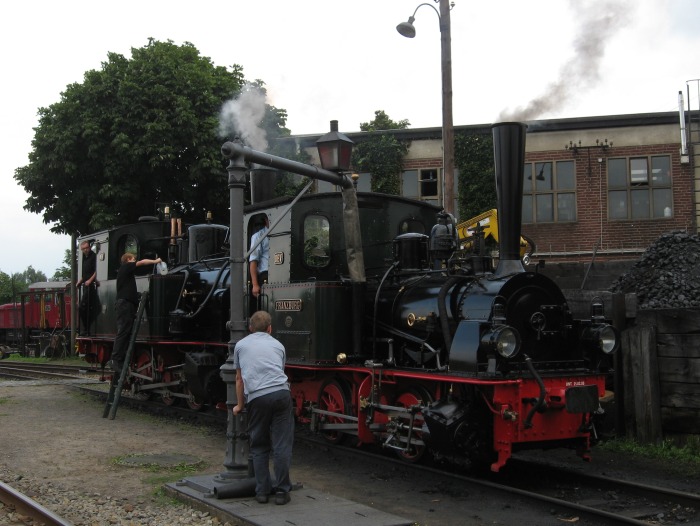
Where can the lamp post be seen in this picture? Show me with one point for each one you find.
(448, 152)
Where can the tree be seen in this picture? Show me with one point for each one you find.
(7, 288)
(30, 276)
(12, 285)
(382, 154)
(383, 122)
(474, 159)
(135, 135)
(63, 273)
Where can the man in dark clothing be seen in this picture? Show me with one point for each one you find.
(127, 300)
(88, 300)
(262, 386)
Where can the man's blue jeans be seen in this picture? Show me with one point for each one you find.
(271, 430)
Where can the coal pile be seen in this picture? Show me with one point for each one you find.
(667, 275)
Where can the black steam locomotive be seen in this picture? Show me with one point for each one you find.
(392, 335)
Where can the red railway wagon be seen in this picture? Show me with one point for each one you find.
(39, 322)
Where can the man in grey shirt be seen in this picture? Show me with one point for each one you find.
(262, 385)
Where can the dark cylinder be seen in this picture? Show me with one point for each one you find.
(509, 160)
(236, 489)
(262, 183)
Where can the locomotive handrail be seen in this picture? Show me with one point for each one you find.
(539, 404)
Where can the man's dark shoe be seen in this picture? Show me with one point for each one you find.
(114, 366)
(282, 497)
(262, 499)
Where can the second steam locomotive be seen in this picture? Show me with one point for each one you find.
(395, 339)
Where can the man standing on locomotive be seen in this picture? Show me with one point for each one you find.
(127, 300)
(259, 261)
(262, 385)
(88, 279)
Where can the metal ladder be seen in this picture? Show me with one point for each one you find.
(115, 387)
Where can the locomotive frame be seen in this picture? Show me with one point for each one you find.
(392, 336)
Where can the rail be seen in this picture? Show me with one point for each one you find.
(30, 508)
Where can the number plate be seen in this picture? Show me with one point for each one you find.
(583, 399)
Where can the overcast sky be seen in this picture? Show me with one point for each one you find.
(343, 60)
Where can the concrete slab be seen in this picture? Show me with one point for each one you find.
(308, 507)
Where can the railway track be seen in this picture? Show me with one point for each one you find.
(20, 510)
(39, 371)
(639, 503)
(574, 494)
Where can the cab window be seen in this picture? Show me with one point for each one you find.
(317, 248)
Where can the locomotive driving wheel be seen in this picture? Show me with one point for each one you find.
(333, 398)
(168, 398)
(414, 396)
(192, 401)
(143, 367)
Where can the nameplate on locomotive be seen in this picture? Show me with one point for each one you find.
(287, 305)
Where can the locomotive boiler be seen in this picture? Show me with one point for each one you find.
(393, 337)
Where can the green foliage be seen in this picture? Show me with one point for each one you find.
(474, 159)
(18, 282)
(7, 288)
(63, 273)
(137, 133)
(383, 122)
(687, 454)
(381, 155)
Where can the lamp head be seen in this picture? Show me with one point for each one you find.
(334, 150)
(406, 28)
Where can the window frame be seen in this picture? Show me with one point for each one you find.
(419, 183)
(551, 189)
(641, 188)
(304, 232)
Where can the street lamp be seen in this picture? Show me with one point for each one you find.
(448, 152)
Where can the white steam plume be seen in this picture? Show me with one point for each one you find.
(243, 116)
(597, 23)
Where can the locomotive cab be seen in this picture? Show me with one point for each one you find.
(309, 294)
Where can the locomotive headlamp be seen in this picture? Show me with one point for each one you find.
(334, 150)
(602, 337)
(502, 339)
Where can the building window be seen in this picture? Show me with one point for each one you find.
(640, 187)
(422, 184)
(549, 192)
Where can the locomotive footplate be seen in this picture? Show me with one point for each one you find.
(582, 399)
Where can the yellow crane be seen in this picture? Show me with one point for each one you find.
(487, 223)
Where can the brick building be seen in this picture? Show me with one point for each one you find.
(603, 187)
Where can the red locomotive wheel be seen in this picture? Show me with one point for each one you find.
(192, 402)
(414, 396)
(333, 398)
(167, 398)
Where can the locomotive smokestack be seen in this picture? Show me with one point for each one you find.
(509, 160)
